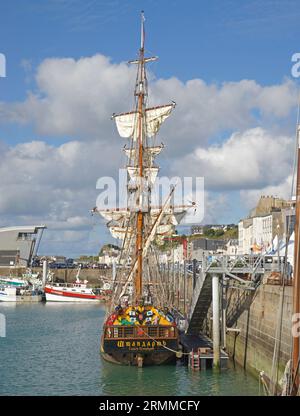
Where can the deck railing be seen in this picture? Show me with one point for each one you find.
(141, 332)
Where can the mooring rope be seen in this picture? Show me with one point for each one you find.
(167, 348)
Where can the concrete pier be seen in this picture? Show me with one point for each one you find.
(29, 298)
(252, 320)
(216, 320)
(202, 347)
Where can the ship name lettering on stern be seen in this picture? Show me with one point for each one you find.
(123, 407)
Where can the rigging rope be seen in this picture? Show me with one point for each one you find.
(167, 348)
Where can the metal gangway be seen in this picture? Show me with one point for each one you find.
(245, 271)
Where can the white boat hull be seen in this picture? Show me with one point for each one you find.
(7, 297)
(60, 298)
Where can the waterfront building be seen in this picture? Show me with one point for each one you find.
(175, 255)
(109, 254)
(201, 229)
(203, 246)
(231, 247)
(18, 244)
(268, 204)
(271, 218)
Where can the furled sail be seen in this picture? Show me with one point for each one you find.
(127, 123)
(120, 232)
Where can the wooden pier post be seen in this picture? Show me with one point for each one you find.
(216, 320)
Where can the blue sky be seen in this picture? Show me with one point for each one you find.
(218, 42)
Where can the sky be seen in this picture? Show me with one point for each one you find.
(227, 64)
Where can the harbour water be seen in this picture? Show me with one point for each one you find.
(53, 349)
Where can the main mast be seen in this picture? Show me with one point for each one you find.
(134, 223)
(140, 92)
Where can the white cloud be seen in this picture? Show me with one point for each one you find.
(204, 111)
(75, 99)
(249, 198)
(252, 159)
(53, 185)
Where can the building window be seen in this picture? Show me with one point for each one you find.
(25, 236)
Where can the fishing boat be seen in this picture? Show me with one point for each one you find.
(13, 281)
(72, 292)
(140, 328)
(28, 279)
(10, 293)
(77, 291)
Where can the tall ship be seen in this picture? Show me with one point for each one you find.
(140, 327)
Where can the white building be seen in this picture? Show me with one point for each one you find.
(245, 236)
(257, 234)
(232, 247)
(109, 255)
(175, 255)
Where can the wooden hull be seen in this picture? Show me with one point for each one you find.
(130, 358)
(139, 351)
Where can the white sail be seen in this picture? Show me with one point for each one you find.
(150, 174)
(152, 151)
(155, 117)
(170, 216)
(165, 229)
(127, 123)
(120, 232)
(114, 215)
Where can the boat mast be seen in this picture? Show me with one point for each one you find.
(140, 92)
(296, 283)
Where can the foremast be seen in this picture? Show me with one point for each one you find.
(140, 222)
